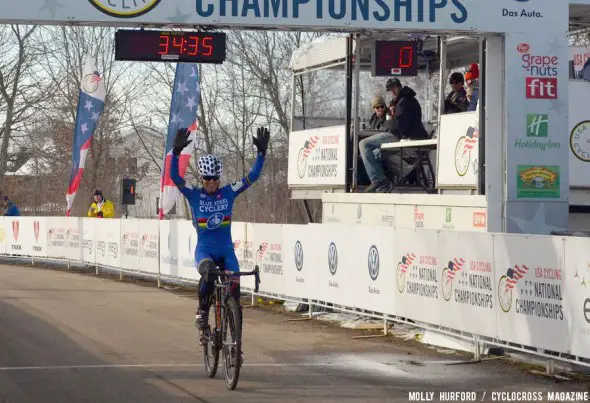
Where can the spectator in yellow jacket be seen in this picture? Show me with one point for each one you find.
(101, 208)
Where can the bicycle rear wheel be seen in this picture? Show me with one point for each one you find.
(211, 345)
(232, 343)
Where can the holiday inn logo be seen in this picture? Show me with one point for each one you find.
(537, 125)
(537, 133)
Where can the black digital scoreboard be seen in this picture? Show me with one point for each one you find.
(169, 46)
(394, 58)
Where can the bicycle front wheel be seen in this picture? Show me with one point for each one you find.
(232, 343)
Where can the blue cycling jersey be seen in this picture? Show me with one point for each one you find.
(212, 212)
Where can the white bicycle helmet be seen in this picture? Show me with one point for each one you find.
(210, 165)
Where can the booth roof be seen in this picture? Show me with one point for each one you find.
(461, 51)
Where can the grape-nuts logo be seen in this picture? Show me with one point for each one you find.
(298, 256)
(332, 258)
(125, 9)
(373, 262)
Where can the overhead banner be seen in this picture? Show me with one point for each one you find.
(317, 157)
(467, 15)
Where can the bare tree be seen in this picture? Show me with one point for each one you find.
(19, 93)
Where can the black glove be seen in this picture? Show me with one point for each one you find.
(181, 140)
(261, 139)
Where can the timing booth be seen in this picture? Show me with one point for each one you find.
(515, 164)
(517, 184)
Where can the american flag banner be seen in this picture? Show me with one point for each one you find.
(310, 145)
(454, 267)
(262, 249)
(407, 261)
(514, 275)
(470, 139)
(90, 107)
(183, 113)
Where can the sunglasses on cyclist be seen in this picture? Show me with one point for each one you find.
(210, 178)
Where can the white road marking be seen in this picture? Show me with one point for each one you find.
(122, 366)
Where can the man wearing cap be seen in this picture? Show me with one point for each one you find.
(101, 208)
(10, 208)
(406, 124)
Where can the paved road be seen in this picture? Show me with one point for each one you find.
(68, 337)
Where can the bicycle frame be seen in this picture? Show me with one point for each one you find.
(223, 282)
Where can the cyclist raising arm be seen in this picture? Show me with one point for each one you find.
(212, 209)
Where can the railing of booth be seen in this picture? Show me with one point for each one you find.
(526, 293)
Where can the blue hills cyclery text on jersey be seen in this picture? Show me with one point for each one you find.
(353, 10)
(212, 212)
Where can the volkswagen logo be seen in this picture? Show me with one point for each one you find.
(298, 256)
(333, 258)
(373, 262)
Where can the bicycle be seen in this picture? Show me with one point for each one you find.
(227, 315)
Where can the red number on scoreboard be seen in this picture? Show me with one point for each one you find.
(178, 42)
(405, 56)
(206, 44)
(193, 43)
(164, 44)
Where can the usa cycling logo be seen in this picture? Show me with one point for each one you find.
(215, 221)
(298, 256)
(373, 262)
(332, 258)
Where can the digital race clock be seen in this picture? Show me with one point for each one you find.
(394, 58)
(158, 46)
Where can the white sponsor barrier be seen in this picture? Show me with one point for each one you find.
(503, 289)
(149, 236)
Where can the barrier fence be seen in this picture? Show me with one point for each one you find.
(529, 293)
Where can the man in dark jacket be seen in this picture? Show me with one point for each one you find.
(456, 101)
(406, 124)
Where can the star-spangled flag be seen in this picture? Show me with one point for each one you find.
(183, 113)
(90, 107)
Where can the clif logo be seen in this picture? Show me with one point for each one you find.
(541, 88)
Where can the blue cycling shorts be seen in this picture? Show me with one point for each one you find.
(219, 255)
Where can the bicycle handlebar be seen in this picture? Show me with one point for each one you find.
(255, 273)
